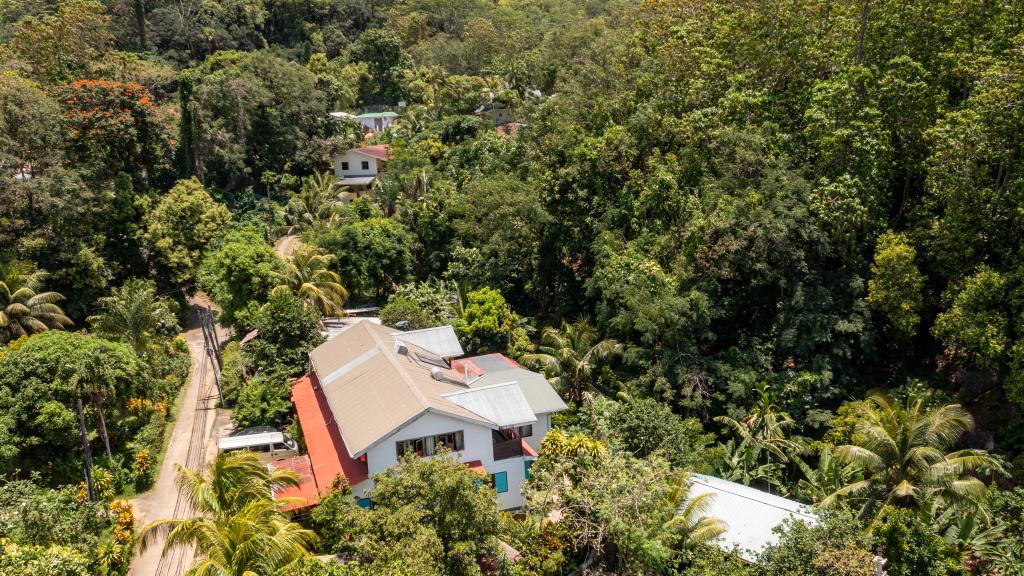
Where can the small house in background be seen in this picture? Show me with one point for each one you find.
(494, 111)
(377, 121)
(509, 130)
(370, 121)
(750, 515)
(359, 167)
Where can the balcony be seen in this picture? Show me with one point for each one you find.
(508, 449)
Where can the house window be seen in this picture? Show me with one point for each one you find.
(366, 165)
(506, 434)
(526, 467)
(344, 165)
(500, 482)
(428, 445)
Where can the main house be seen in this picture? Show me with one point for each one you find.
(359, 167)
(375, 394)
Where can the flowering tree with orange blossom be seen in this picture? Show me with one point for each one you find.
(115, 128)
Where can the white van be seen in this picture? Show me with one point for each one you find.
(273, 443)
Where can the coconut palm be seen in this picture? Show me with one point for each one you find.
(314, 206)
(571, 357)
(687, 524)
(905, 453)
(765, 427)
(307, 274)
(830, 475)
(23, 308)
(238, 529)
(413, 121)
(133, 313)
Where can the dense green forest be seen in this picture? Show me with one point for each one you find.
(779, 242)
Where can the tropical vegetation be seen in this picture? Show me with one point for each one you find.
(774, 242)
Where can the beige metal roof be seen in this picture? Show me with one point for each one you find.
(373, 390)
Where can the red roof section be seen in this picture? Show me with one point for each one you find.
(511, 129)
(327, 452)
(527, 449)
(307, 484)
(466, 366)
(378, 151)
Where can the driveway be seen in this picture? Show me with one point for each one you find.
(193, 442)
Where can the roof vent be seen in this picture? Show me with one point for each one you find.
(401, 349)
(437, 374)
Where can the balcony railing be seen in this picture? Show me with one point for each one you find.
(508, 449)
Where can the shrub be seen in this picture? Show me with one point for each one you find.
(265, 401)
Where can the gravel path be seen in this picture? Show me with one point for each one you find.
(193, 443)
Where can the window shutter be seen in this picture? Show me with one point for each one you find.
(500, 482)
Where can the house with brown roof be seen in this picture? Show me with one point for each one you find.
(358, 168)
(374, 394)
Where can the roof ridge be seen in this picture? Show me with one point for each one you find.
(481, 388)
(798, 507)
(389, 353)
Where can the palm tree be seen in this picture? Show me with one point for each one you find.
(95, 379)
(906, 458)
(133, 313)
(414, 121)
(763, 429)
(687, 524)
(314, 206)
(23, 308)
(765, 426)
(306, 273)
(238, 529)
(829, 476)
(571, 357)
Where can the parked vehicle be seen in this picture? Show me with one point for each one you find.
(264, 439)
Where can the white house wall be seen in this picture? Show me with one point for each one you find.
(540, 429)
(477, 445)
(355, 161)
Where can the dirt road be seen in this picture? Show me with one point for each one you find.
(193, 442)
(285, 246)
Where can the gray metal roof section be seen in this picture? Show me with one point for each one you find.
(751, 514)
(538, 391)
(503, 404)
(357, 181)
(492, 363)
(440, 340)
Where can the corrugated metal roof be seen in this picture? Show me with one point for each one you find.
(751, 515)
(503, 404)
(373, 390)
(328, 454)
(357, 181)
(378, 151)
(440, 340)
(538, 391)
(306, 490)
